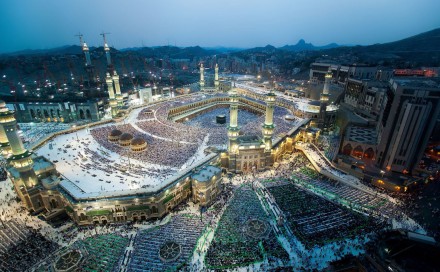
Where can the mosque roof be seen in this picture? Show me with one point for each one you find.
(138, 141)
(115, 132)
(315, 103)
(126, 137)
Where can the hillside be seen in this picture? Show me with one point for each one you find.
(424, 42)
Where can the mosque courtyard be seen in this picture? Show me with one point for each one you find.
(93, 166)
(288, 217)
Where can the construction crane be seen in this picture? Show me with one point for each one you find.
(81, 42)
(103, 35)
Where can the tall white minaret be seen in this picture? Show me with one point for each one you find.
(268, 126)
(21, 158)
(111, 94)
(233, 129)
(216, 82)
(324, 99)
(202, 76)
(107, 54)
(106, 49)
(110, 67)
(85, 49)
(4, 143)
(89, 67)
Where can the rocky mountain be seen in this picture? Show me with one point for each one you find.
(303, 46)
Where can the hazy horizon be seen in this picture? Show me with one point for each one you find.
(48, 24)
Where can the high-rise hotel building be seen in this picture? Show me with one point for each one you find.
(409, 117)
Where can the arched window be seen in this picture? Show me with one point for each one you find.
(82, 217)
(154, 209)
(347, 149)
(53, 203)
(81, 114)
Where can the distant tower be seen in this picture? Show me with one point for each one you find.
(111, 94)
(90, 69)
(107, 54)
(85, 49)
(88, 66)
(322, 123)
(216, 82)
(268, 126)
(110, 67)
(233, 129)
(117, 89)
(202, 76)
(4, 143)
(21, 158)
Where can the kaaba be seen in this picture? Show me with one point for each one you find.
(221, 119)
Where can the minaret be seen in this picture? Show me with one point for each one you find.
(268, 126)
(85, 49)
(89, 67)
(202, 76)
(110, 67)
(111, 94)
(117, 89)
(324, 99)
(216, 82)
(233, 129)
(21, 158)
(107, 54)
(4, 143)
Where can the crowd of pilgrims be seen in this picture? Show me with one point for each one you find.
(146, 256)
(316, 221)
(195, 129)
(21, 247)
(176, 133)
(3, 174)
(230, 246)
(100, 160)
(158, 151)
(172, 144)
(234, 217)
(33, 133)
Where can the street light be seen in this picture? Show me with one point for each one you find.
(76, 132)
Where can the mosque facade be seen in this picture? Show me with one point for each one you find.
(251, 153)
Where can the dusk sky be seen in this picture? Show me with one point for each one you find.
(37, 24)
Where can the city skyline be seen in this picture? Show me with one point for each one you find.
(48, 24)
